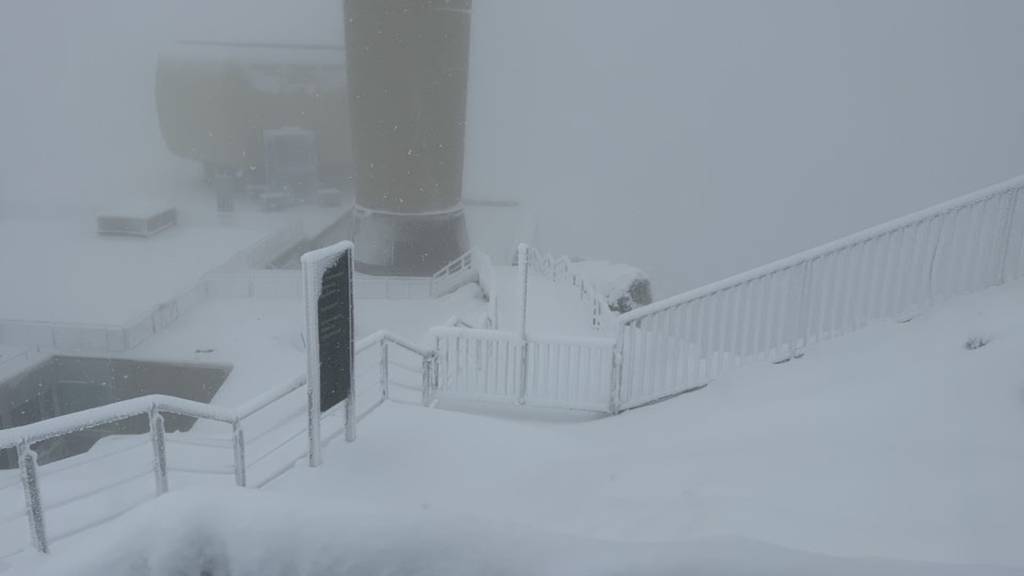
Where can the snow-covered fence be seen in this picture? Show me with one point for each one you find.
(473, 266)
(547, 372)
(260, 441)
(456, 273)
(891, 271)
(561, 270)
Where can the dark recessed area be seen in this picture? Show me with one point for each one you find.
(65, 384)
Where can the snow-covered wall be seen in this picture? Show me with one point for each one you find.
(696, 139)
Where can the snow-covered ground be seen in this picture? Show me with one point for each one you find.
(262, 339)
(66, 272)
(61, 270)
(871, 454)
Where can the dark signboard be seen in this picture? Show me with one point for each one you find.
(335, 332)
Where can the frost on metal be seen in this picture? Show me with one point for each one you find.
(564, 271)
(29, 472)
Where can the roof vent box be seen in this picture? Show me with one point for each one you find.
(142, 221)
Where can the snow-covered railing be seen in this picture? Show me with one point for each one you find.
(455, 274)
(561, 270)
(473, 266)
(890, 271)
(267, 438)
(546, 372)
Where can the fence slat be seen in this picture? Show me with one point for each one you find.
(895, 270)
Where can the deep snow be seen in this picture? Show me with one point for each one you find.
(896, 442)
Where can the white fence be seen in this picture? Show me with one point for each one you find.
(561, 270)
(262, 439)
(456, 273)
(771, 313)
(500, 367)
(473, 266)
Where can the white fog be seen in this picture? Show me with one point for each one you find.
(606, 287)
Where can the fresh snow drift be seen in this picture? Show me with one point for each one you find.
(237, 532)
(896, 442)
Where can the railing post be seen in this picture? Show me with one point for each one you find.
(524, 283)
(429, 376)
(156, 435)
(313, 425)
(351, 416)
(800, 336)
(385, 376)
(615, 398)
(239, 450)
(524, 363)
(28, 469)
(1002, 259)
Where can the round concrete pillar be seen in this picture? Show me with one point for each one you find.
(407, 63)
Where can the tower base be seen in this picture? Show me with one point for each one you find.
(390, 244)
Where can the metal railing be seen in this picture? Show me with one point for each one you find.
(561, 270)
(492, 366)
(455, 274)
(473, 266)
(891, 271)
(267, 438)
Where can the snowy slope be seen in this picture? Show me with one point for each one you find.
(896, 442)
(234, 532)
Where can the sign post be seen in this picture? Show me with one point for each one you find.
(327, 276)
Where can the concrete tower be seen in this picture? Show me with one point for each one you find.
(407, 64)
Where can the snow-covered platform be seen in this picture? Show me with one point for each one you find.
(895, 450)
(69, 287)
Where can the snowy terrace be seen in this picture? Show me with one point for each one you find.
(811, 455)
(806, 467)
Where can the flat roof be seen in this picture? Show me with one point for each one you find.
(63, 271)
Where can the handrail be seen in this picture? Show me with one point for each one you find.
(561, 269)
(500, 335)
(269, 397)
(384, 335)
(154, 405)
(825, 249)
(124, 409)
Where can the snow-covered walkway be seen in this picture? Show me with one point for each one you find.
(897, 442)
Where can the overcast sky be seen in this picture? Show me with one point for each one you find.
(692, 138)
(698, 139)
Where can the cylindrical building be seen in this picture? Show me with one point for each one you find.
(407, 63)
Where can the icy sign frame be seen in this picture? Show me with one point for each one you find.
(327, 278)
